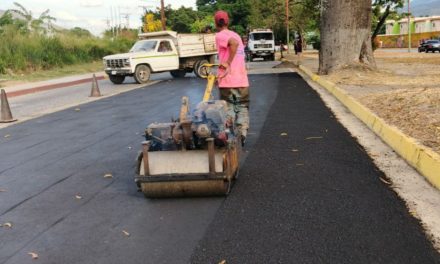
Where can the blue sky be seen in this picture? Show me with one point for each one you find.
(94, 15)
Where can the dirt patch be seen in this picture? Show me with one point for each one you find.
(405, 90)
(415, 111)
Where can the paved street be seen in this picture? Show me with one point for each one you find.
(310, 196)
(29, 106)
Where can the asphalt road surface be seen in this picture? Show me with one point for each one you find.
(322, 203)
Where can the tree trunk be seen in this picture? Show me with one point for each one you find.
(345, 34)
(382, 21)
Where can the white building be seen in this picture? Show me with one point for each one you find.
(418, 25)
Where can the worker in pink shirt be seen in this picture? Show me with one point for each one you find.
(234, 86)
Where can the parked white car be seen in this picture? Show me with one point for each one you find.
(160, 52)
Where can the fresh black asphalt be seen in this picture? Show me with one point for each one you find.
(324, 203)
(308, 193)
(46, 162)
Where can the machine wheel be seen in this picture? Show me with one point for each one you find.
(198, 67)
(178, 73)
(142, 74)
(117, 79)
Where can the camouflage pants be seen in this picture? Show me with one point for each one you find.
(238, 106)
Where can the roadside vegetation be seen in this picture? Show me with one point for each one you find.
(31, 44)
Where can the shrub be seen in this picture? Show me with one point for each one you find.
(28, 52)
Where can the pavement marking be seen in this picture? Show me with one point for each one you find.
(422, 158)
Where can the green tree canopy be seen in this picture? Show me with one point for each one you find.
(181, 19)
(239, 11)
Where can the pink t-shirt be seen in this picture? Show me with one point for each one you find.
(237, 74)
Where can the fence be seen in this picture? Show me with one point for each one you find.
(401, 41)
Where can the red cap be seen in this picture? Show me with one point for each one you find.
(219, 15)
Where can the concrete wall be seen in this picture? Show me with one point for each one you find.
(401, 41)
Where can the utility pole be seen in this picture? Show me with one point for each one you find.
(162, 15)
(115, 20)
(409, 26)
(112, 22)
(287, 24)
(126, 15)
(119, 20)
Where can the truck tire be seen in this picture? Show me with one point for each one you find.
(142, 74)
(117, 79)
(198, 67)
(178, 73)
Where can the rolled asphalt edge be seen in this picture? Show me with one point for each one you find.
(422, 158)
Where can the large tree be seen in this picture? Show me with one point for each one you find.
(239, 11)
(304, 15)
(345, 34)
(181, 19)
(382, 9)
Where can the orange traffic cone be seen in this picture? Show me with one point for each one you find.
(6, 115)
(95, 88)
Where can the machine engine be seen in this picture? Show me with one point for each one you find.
(209, 120)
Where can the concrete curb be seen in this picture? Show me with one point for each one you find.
(52, 86)
(423, 159)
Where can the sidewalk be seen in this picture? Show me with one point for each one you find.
(34, 87)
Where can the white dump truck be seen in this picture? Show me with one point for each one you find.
(261, 44)
(161, 52)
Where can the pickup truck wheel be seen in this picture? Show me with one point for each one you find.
(142, 74)
(117, 79)
(198, 68)
(178, 73)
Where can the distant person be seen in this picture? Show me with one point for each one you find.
(164, 46)
(234, 83)
(280, 43)
(247, 51)
(298, 49)
(207, 30)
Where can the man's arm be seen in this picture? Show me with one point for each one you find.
(233, 46)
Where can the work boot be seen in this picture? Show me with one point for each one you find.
(243, 140)
(243, 136)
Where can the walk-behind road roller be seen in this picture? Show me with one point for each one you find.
(196, 155)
